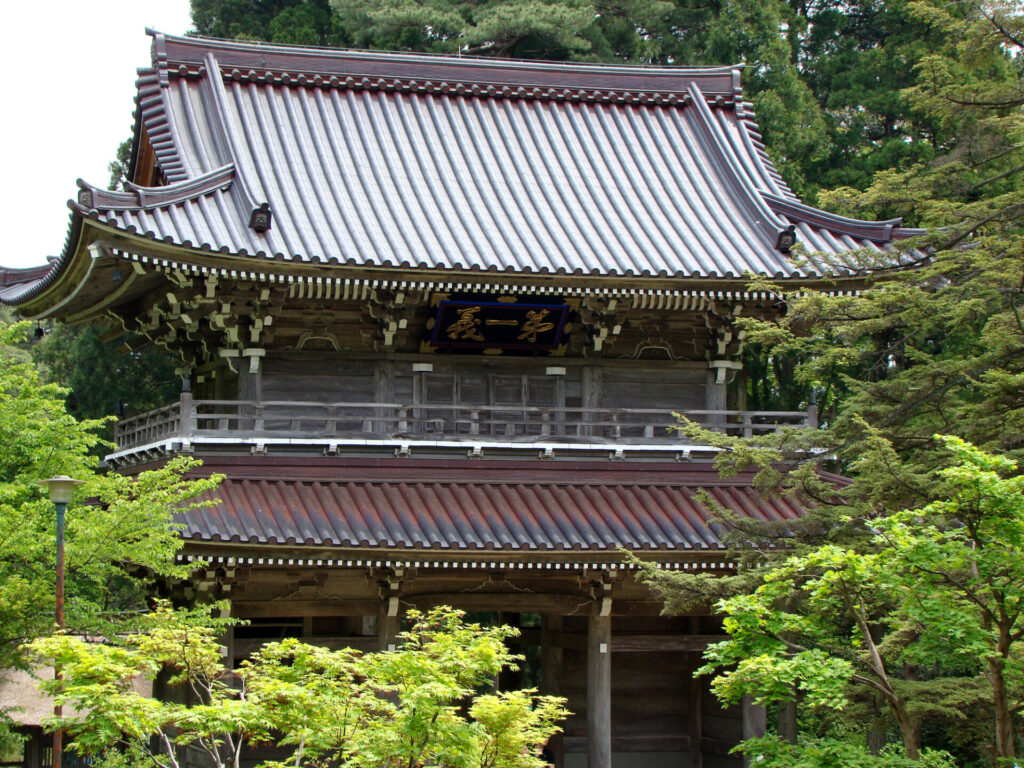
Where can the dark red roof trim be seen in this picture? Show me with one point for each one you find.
(488, 506)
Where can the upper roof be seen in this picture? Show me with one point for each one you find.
(446, 163)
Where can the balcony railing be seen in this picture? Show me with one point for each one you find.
(192, 420)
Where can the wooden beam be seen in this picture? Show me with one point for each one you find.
(644, 743)
(599, 685)
(518, 602)
(269, 609)
(246, 647)
(622, 643)
(642, 643)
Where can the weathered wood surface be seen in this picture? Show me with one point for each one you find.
(599, 689)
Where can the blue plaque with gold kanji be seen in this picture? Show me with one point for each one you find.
(496, 325)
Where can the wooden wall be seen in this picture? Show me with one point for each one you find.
(336, 377)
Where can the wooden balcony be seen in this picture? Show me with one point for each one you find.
(190, 421)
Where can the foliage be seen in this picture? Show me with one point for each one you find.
(118, 167)
(292, 22)
(808, 752)
(924, 623)
(114, 540)
(416, 706)
(104, 378)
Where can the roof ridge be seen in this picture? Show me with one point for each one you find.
(93, 197)
(444, 73)
(766, 222)
(221, 115)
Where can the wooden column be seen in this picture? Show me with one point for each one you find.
(754, 721)
(227, 640)
(551, 664)
(593, 393)
(383, 392)
(787, 720)
(510, 680)
(387, 623)
(695, 725)
(599, 685)
(715, 399)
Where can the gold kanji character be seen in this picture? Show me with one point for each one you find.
(467, 326)
(534, 324)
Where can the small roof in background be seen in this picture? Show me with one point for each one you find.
(27, 706)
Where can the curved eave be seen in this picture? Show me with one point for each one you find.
(170, 256)
(877, 231)
(35, 298)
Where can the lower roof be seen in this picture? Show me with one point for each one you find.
(464, 506)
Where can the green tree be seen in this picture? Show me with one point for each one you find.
(923, 624)
(119, 535)
(290, 22)
(105, 377)
(934, 347)
(417, 706)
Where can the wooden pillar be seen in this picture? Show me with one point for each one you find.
(186, 420)
(695, 718)
(227, 640)
(787, 720)
(508, 679)
(592, 395)
(387, 623)
(551, 664)
(754, 721)
(383, 392)
(33, 758)
(715, 398)
(599, 685)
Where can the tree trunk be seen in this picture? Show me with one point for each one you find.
(910, 730)
(1004, 725)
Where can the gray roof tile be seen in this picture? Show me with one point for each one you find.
(442, 163)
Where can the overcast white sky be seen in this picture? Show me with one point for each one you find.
(69, 83)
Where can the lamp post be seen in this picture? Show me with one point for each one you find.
(60, 487)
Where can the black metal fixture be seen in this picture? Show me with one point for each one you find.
(117, 276)
(786, 239)
(261, 218)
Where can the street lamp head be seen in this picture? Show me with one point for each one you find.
(61, 487)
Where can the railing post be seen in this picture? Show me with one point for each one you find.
(748, 430)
